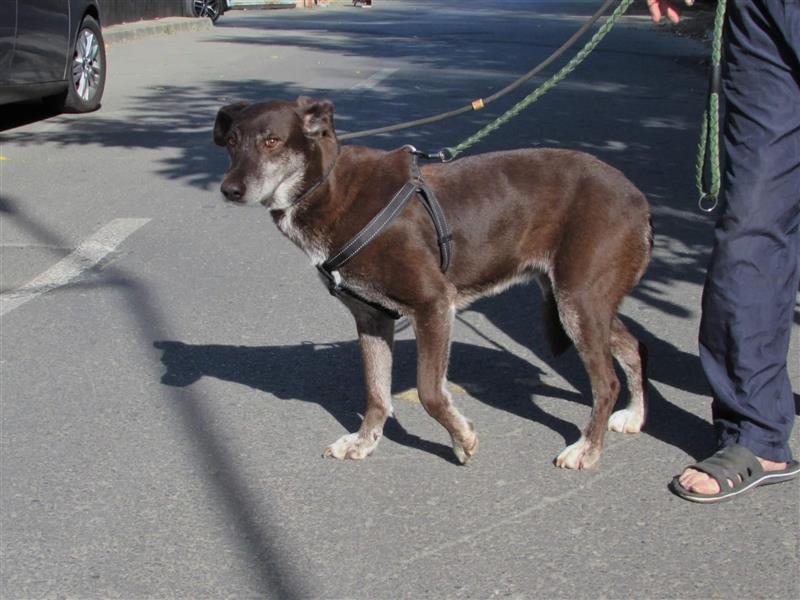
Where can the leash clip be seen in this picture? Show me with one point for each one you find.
(445, 154)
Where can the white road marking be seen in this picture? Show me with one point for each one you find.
(86, 256)
(375, 79)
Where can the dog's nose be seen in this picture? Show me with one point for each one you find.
(233, 191)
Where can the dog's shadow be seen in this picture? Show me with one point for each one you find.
(331, 376)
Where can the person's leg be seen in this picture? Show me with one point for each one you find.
(752, 281)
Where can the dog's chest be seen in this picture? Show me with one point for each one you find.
(314, 246)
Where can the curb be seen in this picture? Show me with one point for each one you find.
(127, 32)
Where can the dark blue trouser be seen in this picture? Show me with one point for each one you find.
(753, 276)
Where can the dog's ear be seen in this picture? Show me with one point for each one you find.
(317, 117)
(224, 120)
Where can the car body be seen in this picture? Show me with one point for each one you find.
(52, 49)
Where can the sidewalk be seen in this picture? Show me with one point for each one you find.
(126, 32)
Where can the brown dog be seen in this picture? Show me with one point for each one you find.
(573, 222)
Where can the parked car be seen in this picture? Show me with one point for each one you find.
(214, 9)
(52, 49)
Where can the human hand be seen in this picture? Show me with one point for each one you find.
(660, 8)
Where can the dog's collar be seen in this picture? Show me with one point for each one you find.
(322, 180)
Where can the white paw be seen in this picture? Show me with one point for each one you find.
(466, 449)
(579, 455)
(352, 446)
(626, 421)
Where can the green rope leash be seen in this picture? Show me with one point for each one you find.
(708, 156)
(451, 153)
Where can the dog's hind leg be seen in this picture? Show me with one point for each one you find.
(589, 325)
(375, 337)
(632, 357)
(433, 325)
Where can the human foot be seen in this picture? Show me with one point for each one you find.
(702, 483)
(728, 473)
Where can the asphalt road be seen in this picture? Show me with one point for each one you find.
(172, 368)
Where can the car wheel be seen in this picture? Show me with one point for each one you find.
(208, 8)
(87, 76)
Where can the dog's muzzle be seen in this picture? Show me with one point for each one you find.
(233, 191)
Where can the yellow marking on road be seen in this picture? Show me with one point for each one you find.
(411, 395)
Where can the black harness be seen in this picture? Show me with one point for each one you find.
(416, 187)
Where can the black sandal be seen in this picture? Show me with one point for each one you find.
(737, 470)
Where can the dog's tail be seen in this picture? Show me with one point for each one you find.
(557, 338)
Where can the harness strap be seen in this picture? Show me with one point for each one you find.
(371, 229)
(443, 235)
(330, 268)
(429, 201)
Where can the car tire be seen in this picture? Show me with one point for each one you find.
(86, 74)
(212, 9)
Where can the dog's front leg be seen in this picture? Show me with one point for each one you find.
(375, 336)
(433, 324)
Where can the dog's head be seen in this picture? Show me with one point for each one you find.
(277, 149)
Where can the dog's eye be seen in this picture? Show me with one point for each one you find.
(271, 142)
(231, 141)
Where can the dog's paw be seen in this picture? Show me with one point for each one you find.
(580, 455)
(352, 446)
(466, 445)
(626, 421)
